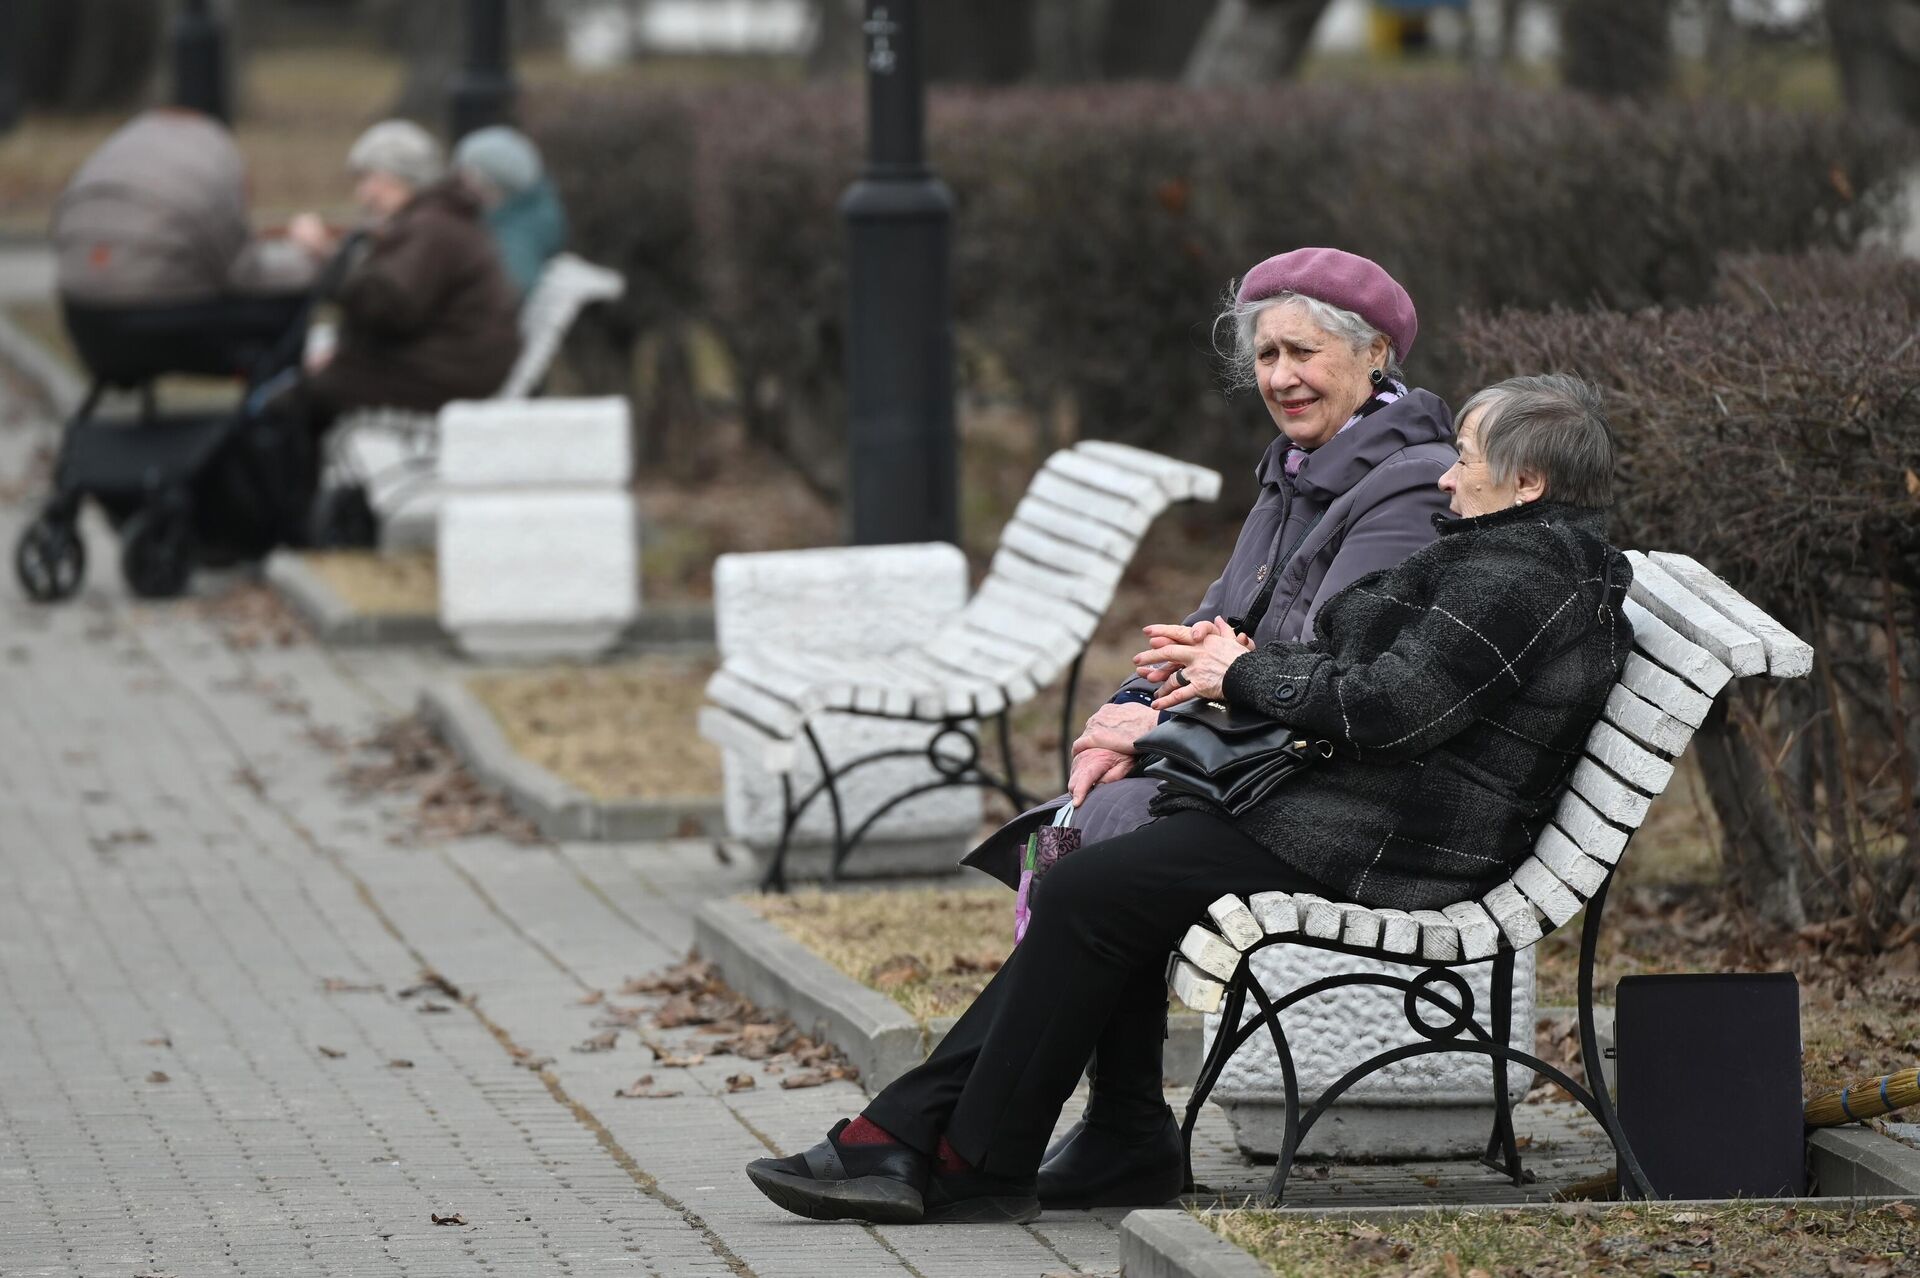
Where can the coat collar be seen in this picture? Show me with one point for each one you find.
(1418, 417)
(1590, 518)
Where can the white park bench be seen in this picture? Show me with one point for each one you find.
(1693, 633)
(1060, 557)
(390, 453)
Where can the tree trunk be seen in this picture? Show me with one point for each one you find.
(1757, 853)
(1616, 48)
(1877, 44)
(431, 37)
(1250, 42)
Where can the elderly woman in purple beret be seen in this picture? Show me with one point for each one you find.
(1348, 487)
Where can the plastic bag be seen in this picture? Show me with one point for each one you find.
(1045, 847)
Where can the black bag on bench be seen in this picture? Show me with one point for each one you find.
(1232, 758)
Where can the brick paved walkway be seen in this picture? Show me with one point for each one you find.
(207, 1062)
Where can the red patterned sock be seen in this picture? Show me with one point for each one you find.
(947, 1160)
(862, 1132)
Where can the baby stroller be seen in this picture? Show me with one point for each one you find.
(179, 488)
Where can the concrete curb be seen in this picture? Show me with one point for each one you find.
(1164, 1243)
(561, 810)
(1859, 1160)
(336, 622)
(868, 1026)
(776, 971)
(666, 628)
(57, 383)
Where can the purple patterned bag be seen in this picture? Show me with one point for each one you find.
(1045, 847)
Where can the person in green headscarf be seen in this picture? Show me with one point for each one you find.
(502, 167)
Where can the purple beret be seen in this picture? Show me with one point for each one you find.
(1340, 279)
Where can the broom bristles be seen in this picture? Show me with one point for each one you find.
(1867, 1098)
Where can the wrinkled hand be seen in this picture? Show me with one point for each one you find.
(1115, 727)
(1096, 767)
(1212, 648)
(311, 233)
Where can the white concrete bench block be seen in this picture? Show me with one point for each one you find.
(1569, 864)
(1650, 683)
(1669, 648)
(1275, 912)
(1632, 763)
(524, 443)
(1656, 591)
(1195, 988)
(1646, 722)
(1514, 913)
(1236, 922)
(1209, 953)
(1788, 655)
(780, 617)
(1402, 1111)
(537, 574)
(1399, 934)
(1319, 917)
(1590, 832)
(1439, 936)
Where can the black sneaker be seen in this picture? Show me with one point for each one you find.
(878, 1183)
(974, 1197)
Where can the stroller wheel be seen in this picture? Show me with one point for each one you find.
(156, 550)
(50, 560)
(343, 519)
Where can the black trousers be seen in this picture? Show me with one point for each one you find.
(1092, 969)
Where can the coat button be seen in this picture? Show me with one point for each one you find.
(1284, 693)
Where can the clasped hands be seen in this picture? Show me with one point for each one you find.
(1105, 750)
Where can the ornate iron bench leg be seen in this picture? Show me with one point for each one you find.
(840, 845)
(1004, 729)
(1290, 1136)
(1503, 1149)
(1633, 1182)
(1217, 1056)
(775, 879)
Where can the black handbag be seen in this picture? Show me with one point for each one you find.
(1232, 758)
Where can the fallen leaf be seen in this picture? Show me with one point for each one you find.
(591, 997)
(901, 969)
(158, 1076)
(1904, 1211)
(1451, 1263)
(811, 1078)
(331, 1053)
(642, 1088)
(337, 985)
(1913, 485)
(451, 1218)
(599, 1042)
(431, 1006)
(740, 1082)
(667, 1060)
(162, 1041)
(431, 982)
(399, 1062)
(1431, 1182)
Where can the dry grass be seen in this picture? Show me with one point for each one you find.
(618, 732)
(391, 584)
(930, 949)
(1755, 1241)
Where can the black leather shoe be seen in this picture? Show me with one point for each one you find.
(1093, 1167)
(878, 1183)
(974, 1197)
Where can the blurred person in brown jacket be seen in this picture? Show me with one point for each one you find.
(427, 314)
(158, 267)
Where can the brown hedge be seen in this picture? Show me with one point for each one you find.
(1097, 226)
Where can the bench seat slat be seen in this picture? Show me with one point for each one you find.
(1275, 912)
(1590, 832)
(1116, 512)
(1569, 864)
(1360, 927)
(1646, 722)
(1655, 590)
(748, 739)
(1669, 648)
(1513, 912)
(1075, 526)
(1788, 655)
(1069, 590)
(1543, 887)
(1664, 689)
(1043, 547)
(1610, 797)
(1631, 762)
(1195, 988)
(1319, 917)
(1439, 935)
(1236, 922)
(1479, 934)
(1206, 951)
(1399, 934)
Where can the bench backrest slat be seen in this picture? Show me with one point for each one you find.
(1657, 592)
(1671, 650)
(1788, 655)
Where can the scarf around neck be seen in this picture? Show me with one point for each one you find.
(1390, 390)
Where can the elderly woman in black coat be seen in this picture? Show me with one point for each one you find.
(1456, 690)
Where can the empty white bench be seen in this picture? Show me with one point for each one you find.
(1693, 634)
(391, 452)
(1060, 557)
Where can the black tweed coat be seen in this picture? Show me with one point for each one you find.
(1457, 689)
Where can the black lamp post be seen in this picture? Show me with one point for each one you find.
(9, 72)
(483, 91)
(200, 61)
(903, 467)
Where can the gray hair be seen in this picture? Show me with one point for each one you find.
(401, 149)
(1552, 424)
(1242, 319)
